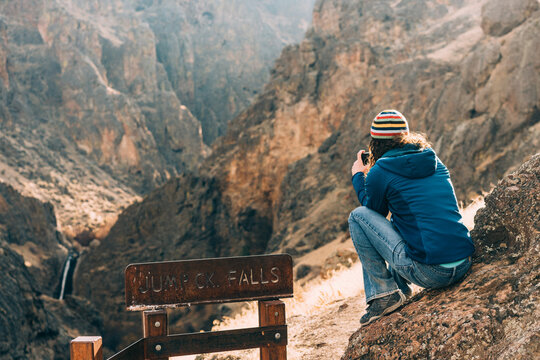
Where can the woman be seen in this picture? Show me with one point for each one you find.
(425, 242)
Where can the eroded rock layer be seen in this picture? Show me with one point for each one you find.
(97, 98)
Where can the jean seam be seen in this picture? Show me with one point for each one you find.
(446, 272)
(466, 263)
(373, 229)
(424, 284)
(456, 271)
(403, 268)
(413, 272)
(378, 296)
(395, 255)
(452, 277)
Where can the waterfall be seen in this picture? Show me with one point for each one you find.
(67, 274)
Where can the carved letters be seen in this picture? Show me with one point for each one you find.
(203, 280)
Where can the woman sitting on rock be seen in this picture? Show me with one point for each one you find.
(425, 242)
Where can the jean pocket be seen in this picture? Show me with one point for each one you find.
(405, 271)
(400, 258)
(433, 276)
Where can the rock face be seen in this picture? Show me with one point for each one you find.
(93, 95)
(82, 79)
(143, 234)
(500, 17)
(285, 161)
(494, 312)
(28, 228)
(279, 180)
(217, 54)
(34, 325)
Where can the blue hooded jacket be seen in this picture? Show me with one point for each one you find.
(414, 185)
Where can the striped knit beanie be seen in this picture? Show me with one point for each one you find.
(389, 123)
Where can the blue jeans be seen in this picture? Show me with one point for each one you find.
(378, 243)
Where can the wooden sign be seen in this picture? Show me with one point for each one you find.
(178, 283)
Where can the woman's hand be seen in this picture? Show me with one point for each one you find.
(358, 165)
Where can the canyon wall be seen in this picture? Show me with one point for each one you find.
(102, 101)
(217, 54)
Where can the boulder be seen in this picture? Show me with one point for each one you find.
(494, 312)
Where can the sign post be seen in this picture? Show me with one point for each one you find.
(159, 285)
(272, 313)
(86, 348)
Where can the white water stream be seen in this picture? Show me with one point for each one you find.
(64, 276)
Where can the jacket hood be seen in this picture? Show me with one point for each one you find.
(409, 161)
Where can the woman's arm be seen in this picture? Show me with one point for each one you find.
(371, 190)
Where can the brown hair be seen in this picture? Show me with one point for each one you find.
(377, 147)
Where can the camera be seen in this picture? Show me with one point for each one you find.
(365, 157)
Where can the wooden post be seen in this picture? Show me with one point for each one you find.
(272, 312)
(86, 348)
(155, 323)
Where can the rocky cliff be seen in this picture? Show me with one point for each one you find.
(33, 324)
(28, 228)
(102, 101)
(84, 79)
(279, 179)
(494, 312)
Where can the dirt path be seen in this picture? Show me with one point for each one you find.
(325, 335)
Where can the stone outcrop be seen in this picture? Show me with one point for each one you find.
(34, 325)
(500, 17)
(494, 312)
(279, 180)
(87, 113)
(28, 228)
(103, 101)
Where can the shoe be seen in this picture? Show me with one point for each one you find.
(407, 293)
(382, 306)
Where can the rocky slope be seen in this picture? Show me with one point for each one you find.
(494, 312)
(93, 95)
(279, 179)
(34, 325)
(80, 76)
